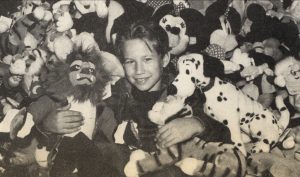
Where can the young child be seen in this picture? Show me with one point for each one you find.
(143, 50)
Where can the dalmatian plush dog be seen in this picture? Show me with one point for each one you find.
(246, 118)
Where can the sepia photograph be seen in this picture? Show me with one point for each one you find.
(149, 88)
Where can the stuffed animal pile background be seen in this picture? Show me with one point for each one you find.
(251, 45)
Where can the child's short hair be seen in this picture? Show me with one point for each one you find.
(144, 30)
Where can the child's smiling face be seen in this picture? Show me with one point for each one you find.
(143, 65)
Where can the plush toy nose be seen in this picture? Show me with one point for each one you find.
(172, 90)
(175, 30)
(85, 71)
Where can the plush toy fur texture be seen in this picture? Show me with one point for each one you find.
(58, 81)
(194, 157)
(228, 104)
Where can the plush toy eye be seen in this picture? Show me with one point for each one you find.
(91, 70)
(77, 67)
(182, 25)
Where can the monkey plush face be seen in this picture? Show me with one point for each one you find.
(81, 76)
(82, 73)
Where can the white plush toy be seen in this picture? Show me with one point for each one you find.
(287, 74)
(98, 6)
(5, 24)
(228, 105)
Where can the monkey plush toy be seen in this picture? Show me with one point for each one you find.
(77, 85)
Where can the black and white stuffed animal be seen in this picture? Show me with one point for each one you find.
(246, 118)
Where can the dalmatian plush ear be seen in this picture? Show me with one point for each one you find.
(212, 67)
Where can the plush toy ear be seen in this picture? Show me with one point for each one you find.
(212, 67)
(162, 11)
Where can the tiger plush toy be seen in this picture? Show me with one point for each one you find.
(194, 157)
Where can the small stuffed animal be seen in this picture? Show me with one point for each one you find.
(77, 84)
(227, 104)
(180, 25)
(191, 156)
(26, 33)
(287, 73)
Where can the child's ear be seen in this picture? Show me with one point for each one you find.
(166, 59)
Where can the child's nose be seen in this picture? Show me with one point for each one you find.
(140, 68)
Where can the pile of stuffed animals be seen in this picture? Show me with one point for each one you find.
(248, 49)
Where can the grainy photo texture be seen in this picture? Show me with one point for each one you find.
(149, 88)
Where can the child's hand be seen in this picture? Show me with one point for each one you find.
(63, 121)
(177, 131)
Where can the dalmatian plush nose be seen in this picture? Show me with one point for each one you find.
(172, 90)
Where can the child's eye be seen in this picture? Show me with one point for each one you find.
(128, 62)
(148, 59)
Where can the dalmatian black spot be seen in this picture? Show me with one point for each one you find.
(265, 109)
(208, 108)
(252, 114)
(197, 81)
(259, 133)
(243, 119)
(260, 150)
(252, 98)
(248, 114)
(263, 116)
(282, 109)
(266, 141)
(257, 118)
(220, 82)
(225, 122)
(176, 80)
(212, 115)
(247, 121)
(187, 72)
(238, 109)
(193, 79)
(239, 144)
(220, 98)
(274, 121)
(197, 64)
(203, 83)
